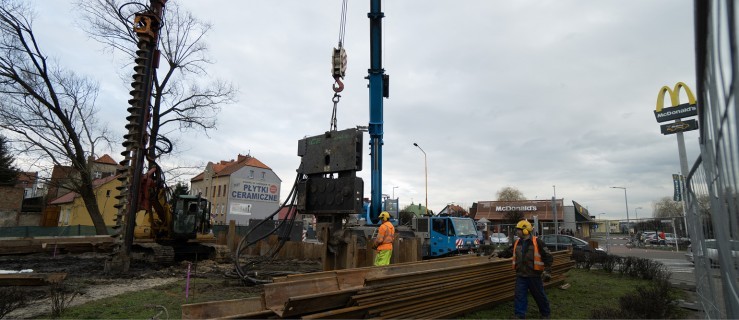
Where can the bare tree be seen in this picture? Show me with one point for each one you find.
(183, 94)
(50, 111)
(666, 207)
(510, 194)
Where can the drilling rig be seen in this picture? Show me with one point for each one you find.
(162, 230)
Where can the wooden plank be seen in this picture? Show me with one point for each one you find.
(60, 244)
(233, 238)
(31, 279)
(223, 308)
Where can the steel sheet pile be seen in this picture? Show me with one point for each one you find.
(440, 288)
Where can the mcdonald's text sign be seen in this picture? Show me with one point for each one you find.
(672, 113)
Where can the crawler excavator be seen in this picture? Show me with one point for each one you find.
(149, 225)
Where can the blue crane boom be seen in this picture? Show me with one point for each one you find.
(378, 89)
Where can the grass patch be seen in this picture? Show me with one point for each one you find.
(163, 302)
(590, 290)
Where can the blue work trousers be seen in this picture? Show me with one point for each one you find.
(536, 287)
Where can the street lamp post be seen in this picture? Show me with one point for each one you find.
(626, 199)
(608, 231)
(636, 213)
(426, 173)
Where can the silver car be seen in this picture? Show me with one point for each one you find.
(711, 252)
(499, 239)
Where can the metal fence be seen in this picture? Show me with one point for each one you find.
(713, 182)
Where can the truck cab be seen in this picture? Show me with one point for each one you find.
(444, 235)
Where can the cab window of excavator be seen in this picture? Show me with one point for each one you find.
(185, 221)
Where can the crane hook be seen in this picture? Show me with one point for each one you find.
(338, 85)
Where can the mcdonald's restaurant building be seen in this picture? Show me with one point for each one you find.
(500, 216)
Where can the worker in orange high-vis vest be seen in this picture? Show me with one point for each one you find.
(532, 262)
(384, 241)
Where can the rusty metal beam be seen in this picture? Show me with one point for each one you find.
(223, 308)
(429, 289)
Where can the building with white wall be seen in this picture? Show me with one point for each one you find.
(238, 190)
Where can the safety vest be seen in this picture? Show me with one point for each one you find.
(386, 234)
(538, 263)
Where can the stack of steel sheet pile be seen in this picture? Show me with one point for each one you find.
(440, 288)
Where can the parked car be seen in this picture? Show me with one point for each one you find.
(499, 239)
(670, 239)
(653, 238)
(648, 236)
(563, 242)
(711, 252)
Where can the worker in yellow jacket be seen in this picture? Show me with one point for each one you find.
(384, 241)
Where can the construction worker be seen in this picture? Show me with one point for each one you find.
(532, 262)
(384, 241)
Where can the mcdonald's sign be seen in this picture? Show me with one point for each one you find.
(679, 126)
(677, 110)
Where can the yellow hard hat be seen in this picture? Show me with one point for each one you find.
(525, 226)
(385, 215)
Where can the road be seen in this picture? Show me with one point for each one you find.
(683, 272)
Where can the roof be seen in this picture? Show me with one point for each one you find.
(581, 213)
(28, 177)
(70, 196)
(541, 208)
(226, 168)
(285, 210)
(106, 159)
(62, 172)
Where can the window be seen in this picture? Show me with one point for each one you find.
(219, 191)
(224, 190)
(67, 214)
(107, 193)
(263, 175)
(206, 192)
(251, 174)
(97, 175)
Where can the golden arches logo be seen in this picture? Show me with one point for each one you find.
(674, 95)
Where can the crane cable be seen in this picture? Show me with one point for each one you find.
(338, 68)
(247, 268)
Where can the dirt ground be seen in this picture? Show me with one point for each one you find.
(85, 274)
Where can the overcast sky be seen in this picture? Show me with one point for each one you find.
(527, 94)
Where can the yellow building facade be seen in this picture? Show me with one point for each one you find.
(73, 211)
